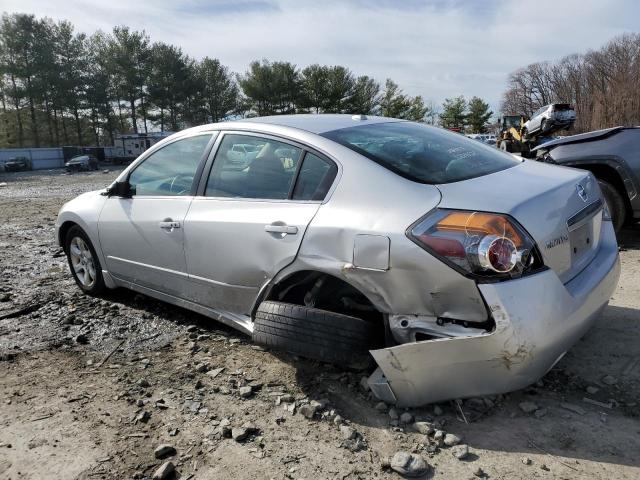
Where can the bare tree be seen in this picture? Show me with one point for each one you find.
(602, 85)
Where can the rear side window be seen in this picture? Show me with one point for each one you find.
(315, 178)
(248, 166)
(540, 111)
(421, 153)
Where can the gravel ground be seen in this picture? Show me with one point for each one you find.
(90, 388)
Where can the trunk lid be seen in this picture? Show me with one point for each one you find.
(560, 207)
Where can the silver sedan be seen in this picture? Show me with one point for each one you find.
(460, 269)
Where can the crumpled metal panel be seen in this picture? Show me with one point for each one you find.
(529, 337)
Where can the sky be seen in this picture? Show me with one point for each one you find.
(437, 48)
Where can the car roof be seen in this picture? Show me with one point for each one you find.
(320, 123)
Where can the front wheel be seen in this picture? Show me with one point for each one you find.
(615, 204)
(83, 261)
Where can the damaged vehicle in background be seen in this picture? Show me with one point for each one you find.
(352, 236)
(82, 163)
(612, 156)
(556, 116)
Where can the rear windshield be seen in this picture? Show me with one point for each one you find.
(421, 153)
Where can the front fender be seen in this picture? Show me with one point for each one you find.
(84, 211)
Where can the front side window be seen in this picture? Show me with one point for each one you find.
(247, 166)
(170, 170)
(421, 153)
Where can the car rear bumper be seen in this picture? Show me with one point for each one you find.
(562, 121)
(538, 318)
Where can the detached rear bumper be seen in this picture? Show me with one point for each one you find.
(537, 320)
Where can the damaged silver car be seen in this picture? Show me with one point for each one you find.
(462, 270)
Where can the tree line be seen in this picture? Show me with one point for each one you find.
(62, 87)
(601, 85)
(472, 116)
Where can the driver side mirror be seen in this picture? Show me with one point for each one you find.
(121, 189)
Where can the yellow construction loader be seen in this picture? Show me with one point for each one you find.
(512, 136)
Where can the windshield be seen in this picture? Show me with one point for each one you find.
(421, 153)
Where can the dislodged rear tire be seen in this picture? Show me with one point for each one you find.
(312, 333)
(615, 204)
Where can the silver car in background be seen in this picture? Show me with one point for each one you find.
(461, 270)
(555, 116)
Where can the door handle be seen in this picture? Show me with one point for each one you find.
(169, 224)
(284, 229)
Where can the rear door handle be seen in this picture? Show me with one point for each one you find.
(169, 224)
(286, 229)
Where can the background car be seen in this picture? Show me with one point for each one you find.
(488, 138)
(18, 164)
(82, 163)
(241, 155)
(561, 115)
(612, 156)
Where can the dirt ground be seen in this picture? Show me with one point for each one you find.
(90, 387)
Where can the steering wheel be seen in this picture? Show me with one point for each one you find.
(176, 184)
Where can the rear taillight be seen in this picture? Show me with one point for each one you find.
(487, 246)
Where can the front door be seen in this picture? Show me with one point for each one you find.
(251, 220)
(143, 236)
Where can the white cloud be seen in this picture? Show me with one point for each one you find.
(436, 49)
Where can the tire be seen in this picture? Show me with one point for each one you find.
(615, 204)
(312, 333)
(77, 246)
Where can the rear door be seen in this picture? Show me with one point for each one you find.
(250, 221)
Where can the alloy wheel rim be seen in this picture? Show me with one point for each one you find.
(82, 262)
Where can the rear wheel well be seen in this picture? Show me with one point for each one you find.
(610, 175)
(326, 292)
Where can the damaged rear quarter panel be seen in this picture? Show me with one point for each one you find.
(415, 282)
(528, 339)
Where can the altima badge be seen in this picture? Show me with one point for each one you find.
(554, 242)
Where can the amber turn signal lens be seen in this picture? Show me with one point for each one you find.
(480, 223)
